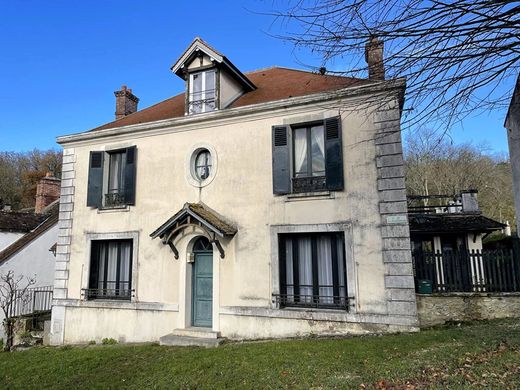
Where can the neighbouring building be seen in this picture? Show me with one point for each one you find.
(512, 124)
(31, 253)
(263, 204)
(447, 233)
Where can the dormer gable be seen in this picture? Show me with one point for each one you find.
(212, 81)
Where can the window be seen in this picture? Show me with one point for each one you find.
(202, 166)
(308, 158)
(312, 270)
(115, 195)
(110, 270)
(111, 178)
(202, 96)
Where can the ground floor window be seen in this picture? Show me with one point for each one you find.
(110, 270)
(312, 270)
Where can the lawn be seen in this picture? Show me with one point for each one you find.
(485, 354)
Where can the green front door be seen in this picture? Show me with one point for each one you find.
(202, 289)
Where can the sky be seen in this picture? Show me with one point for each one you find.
(61, 61)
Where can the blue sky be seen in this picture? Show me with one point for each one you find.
(61, 60)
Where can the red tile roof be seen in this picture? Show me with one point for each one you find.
(272, 84)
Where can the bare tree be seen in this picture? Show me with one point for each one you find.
(457, 55)
(13, 291)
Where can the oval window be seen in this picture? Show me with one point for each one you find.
(202, 165)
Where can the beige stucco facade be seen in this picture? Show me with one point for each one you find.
(240, 189)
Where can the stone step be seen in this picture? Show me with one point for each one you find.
(185, 341)
(205, 333)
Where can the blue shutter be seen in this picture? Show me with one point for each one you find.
(95, 180)
(281, 160)
(333, 154)
(131, 158)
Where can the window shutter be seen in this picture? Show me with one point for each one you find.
(333, 154)
(281, 160)
(95, 179)
(131, 157)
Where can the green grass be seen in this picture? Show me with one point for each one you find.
(483, 354)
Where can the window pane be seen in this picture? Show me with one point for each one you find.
(300, 152)
(305, 263)
(116, 172)
(325, 280)
(318, 151)
(196, 93)
(210, 83)
(203, 165)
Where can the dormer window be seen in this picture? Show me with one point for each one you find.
(202, 96)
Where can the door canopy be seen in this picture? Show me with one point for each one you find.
(195, 215)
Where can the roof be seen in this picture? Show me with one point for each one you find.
(19, 222)
(49, 220)
(452, 223)
(203, 214)
(272, 84)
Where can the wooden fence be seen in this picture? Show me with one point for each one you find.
(470, 271)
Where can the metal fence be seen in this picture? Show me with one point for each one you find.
(31, 301)
(469, 271)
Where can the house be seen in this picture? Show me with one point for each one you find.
(447, 248)
(253, 205)
(30, 254)
(512, 124)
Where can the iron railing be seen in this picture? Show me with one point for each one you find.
(469, 271)
(114, 199)
(108, 293)
(30, 301)
(309, 184)
(312, 301)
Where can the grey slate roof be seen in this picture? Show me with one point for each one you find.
(452, 223)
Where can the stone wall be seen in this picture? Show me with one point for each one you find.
(437, 309)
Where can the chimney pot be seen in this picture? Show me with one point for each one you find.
(126, 102)
(374, 58)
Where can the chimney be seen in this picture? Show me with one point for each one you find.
(126, 102)
(469, 201)
(47, 191)
(374, 58)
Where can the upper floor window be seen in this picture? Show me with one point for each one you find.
(116, 179)
(307, 158)
(202, 92)
(111, 178)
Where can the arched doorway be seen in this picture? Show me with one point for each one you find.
(202, 284)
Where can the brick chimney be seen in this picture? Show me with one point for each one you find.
(126, 102)
(47, 191)
(374, 58)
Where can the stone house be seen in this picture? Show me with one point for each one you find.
(253, 205)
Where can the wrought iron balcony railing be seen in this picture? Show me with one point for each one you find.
(108, 293)
(114, 199)
(312, 301)
(309, 184)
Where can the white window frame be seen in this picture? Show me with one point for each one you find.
(203, 91)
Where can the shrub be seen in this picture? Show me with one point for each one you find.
(92, 342)
(108, 341)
